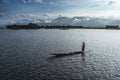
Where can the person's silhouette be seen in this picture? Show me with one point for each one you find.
(83, 46)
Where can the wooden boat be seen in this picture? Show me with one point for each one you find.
(67, 53)
(70, 53)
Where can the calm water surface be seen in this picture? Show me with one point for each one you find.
(25, 54)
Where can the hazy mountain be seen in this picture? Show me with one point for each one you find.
(72, 21)
(61, 21)
(86, 21)
(114, 22)
(76, 21)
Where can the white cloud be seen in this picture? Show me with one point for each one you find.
(41, 20)
(35, 1)
(51, 3)
(24, 1)
(94, 8)
(27, 18)
(112, 3)
(6, 1)
(39, 1)
(93, 13)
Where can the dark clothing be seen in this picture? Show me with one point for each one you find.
(83, 46)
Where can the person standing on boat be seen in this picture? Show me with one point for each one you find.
(83, 46)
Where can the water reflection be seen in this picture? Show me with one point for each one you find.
(83, 56)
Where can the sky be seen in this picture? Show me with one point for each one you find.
(12, 10)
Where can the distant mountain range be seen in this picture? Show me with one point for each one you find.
(72, 21)
(114, 22)
(82, 21)
(76, 21)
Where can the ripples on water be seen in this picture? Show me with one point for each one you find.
(25, 55)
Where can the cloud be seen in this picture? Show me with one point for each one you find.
(6, 1)
(39, 1)
(46, 19)
(30, 1)
(51, 3)
(112, 3)
(24, 1)
(26, 18)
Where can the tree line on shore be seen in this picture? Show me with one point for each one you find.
(35, 26)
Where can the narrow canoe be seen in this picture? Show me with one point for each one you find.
(66, 53)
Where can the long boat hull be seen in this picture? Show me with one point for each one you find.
(66, 53)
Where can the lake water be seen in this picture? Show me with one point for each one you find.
(25, 54)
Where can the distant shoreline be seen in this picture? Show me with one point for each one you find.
(65, 28)
(35, 26)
